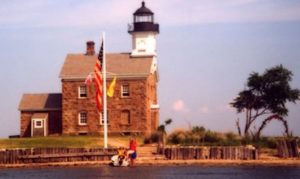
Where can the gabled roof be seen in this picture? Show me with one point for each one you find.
(78, 66)
(41, 102)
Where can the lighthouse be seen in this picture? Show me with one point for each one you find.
(143, 32)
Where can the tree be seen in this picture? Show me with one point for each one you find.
(162, 127)
(265, 98)
(162, 130)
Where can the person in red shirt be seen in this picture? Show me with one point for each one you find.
(132, 150)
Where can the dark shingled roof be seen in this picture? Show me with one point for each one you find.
(78, 66)
(40, 102)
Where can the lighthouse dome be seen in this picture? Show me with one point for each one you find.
(143, 10)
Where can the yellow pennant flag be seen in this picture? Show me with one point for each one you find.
(111, 89)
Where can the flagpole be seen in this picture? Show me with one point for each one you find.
(104, 92)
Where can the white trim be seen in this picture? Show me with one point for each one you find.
(154, 106)
(122, 90)
(79, 119)
(33, 125)
(37, 126)
(79, 92)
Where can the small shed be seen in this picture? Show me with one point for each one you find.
(40, 114)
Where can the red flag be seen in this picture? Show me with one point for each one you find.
(98, 79)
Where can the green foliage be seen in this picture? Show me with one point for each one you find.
(177, 137)
(266, 96)
(198, 129)
(269, 91)
(232, 139)
(200, 136)
(265, 142)
(213, 137)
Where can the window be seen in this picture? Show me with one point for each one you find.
(125, 117)
(102, 118)
(82, 118)
(38, 123)
(144, 18)
(125, 90)
(82, 90)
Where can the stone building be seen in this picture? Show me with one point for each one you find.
(133, 108)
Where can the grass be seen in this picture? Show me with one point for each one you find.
(65, 142)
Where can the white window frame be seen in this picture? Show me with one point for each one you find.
(38, 126)
(82, 91)
(101, 120)
(80, 118)
(124, 92)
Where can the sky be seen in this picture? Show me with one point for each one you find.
(206, 51)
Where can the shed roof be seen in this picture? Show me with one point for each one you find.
(40, 102)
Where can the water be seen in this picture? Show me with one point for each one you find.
(144, 172)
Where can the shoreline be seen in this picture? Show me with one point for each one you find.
(205, 163)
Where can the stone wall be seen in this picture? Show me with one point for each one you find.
(142, 94)
(153, 114)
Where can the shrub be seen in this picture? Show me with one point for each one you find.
(266, 142)
(193, 139)
(213, 137)
(177, 137)
(198, 129)
(153, 138)
(232, 139)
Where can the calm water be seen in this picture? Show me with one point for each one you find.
(180, 172)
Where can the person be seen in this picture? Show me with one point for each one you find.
(132, 150)
(122, 154)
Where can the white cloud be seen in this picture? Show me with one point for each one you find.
(180, 106)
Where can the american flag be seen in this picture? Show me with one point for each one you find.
(98, 79)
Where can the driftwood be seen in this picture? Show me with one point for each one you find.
(220, 153)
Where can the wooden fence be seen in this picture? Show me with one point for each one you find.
(287, 148)
(48, 155)
(222, 153)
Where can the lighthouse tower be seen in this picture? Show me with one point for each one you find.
(143, 31)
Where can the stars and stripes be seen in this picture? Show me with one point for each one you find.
(98, 79)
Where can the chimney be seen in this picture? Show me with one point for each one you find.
(90, 48)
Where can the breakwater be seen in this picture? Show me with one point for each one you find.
(225, 153)
(49, 155)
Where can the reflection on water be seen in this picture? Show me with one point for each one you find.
(144, 172)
